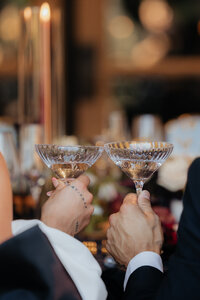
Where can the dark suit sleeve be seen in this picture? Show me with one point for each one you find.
(182, 281)
(143, 283)
(29, 269)
(114, 279)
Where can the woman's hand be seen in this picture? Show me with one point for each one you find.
(69, 207)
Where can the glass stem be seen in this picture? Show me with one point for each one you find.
(139, 186)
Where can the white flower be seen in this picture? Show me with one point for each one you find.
(98, 210)
(107, 192)
(93, 178)
(173, 173)
(176, 207)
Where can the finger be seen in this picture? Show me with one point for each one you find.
(84, 179)
(99, 143)
(108, 236)
(158, 235)
(69, 181)
(89, 197)
(90, 210)
(88, 216)
(107, 246)
(49, 193)
(58, 184)
(144, 202)
(55, 182)
(130, 198)
(112, 219)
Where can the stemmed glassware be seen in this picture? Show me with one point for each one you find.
(138, 160)
(68, 161)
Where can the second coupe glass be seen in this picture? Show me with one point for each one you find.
(138, 160)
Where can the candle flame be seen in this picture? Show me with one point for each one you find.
(45, 12)
(27, 13)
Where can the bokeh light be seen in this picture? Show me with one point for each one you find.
(150, 51)
(121, 27)
(27, 13)
(45, 12)
(156, 15)
(9, 24)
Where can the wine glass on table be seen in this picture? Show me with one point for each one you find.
(68, 162)
(138, 160)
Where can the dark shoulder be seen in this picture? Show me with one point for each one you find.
(195, 165)
(194, 172)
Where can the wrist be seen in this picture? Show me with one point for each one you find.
(153, 249)
(51, 222)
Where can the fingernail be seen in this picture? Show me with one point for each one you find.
(146, 195)
(55, 182)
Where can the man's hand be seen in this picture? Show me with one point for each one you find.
(69, 207)
(134, 229)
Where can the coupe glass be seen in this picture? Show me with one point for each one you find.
(68, 161)
(139, 160)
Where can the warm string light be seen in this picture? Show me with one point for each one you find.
(92, 246)
(103, 247)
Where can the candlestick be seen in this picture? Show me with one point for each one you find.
(29, 67)
(45, 16)
(41, 70)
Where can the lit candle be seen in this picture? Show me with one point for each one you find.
(45, 16)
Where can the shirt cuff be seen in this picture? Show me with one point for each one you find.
(146, 258)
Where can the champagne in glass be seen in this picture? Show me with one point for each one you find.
(69, 170)
(139, 160)
(68, 161)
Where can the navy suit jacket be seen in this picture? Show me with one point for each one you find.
(182, 281)
(30, 270)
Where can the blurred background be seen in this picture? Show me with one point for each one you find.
(82, 71)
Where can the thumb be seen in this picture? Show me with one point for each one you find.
(130, 198)
(144, 202)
